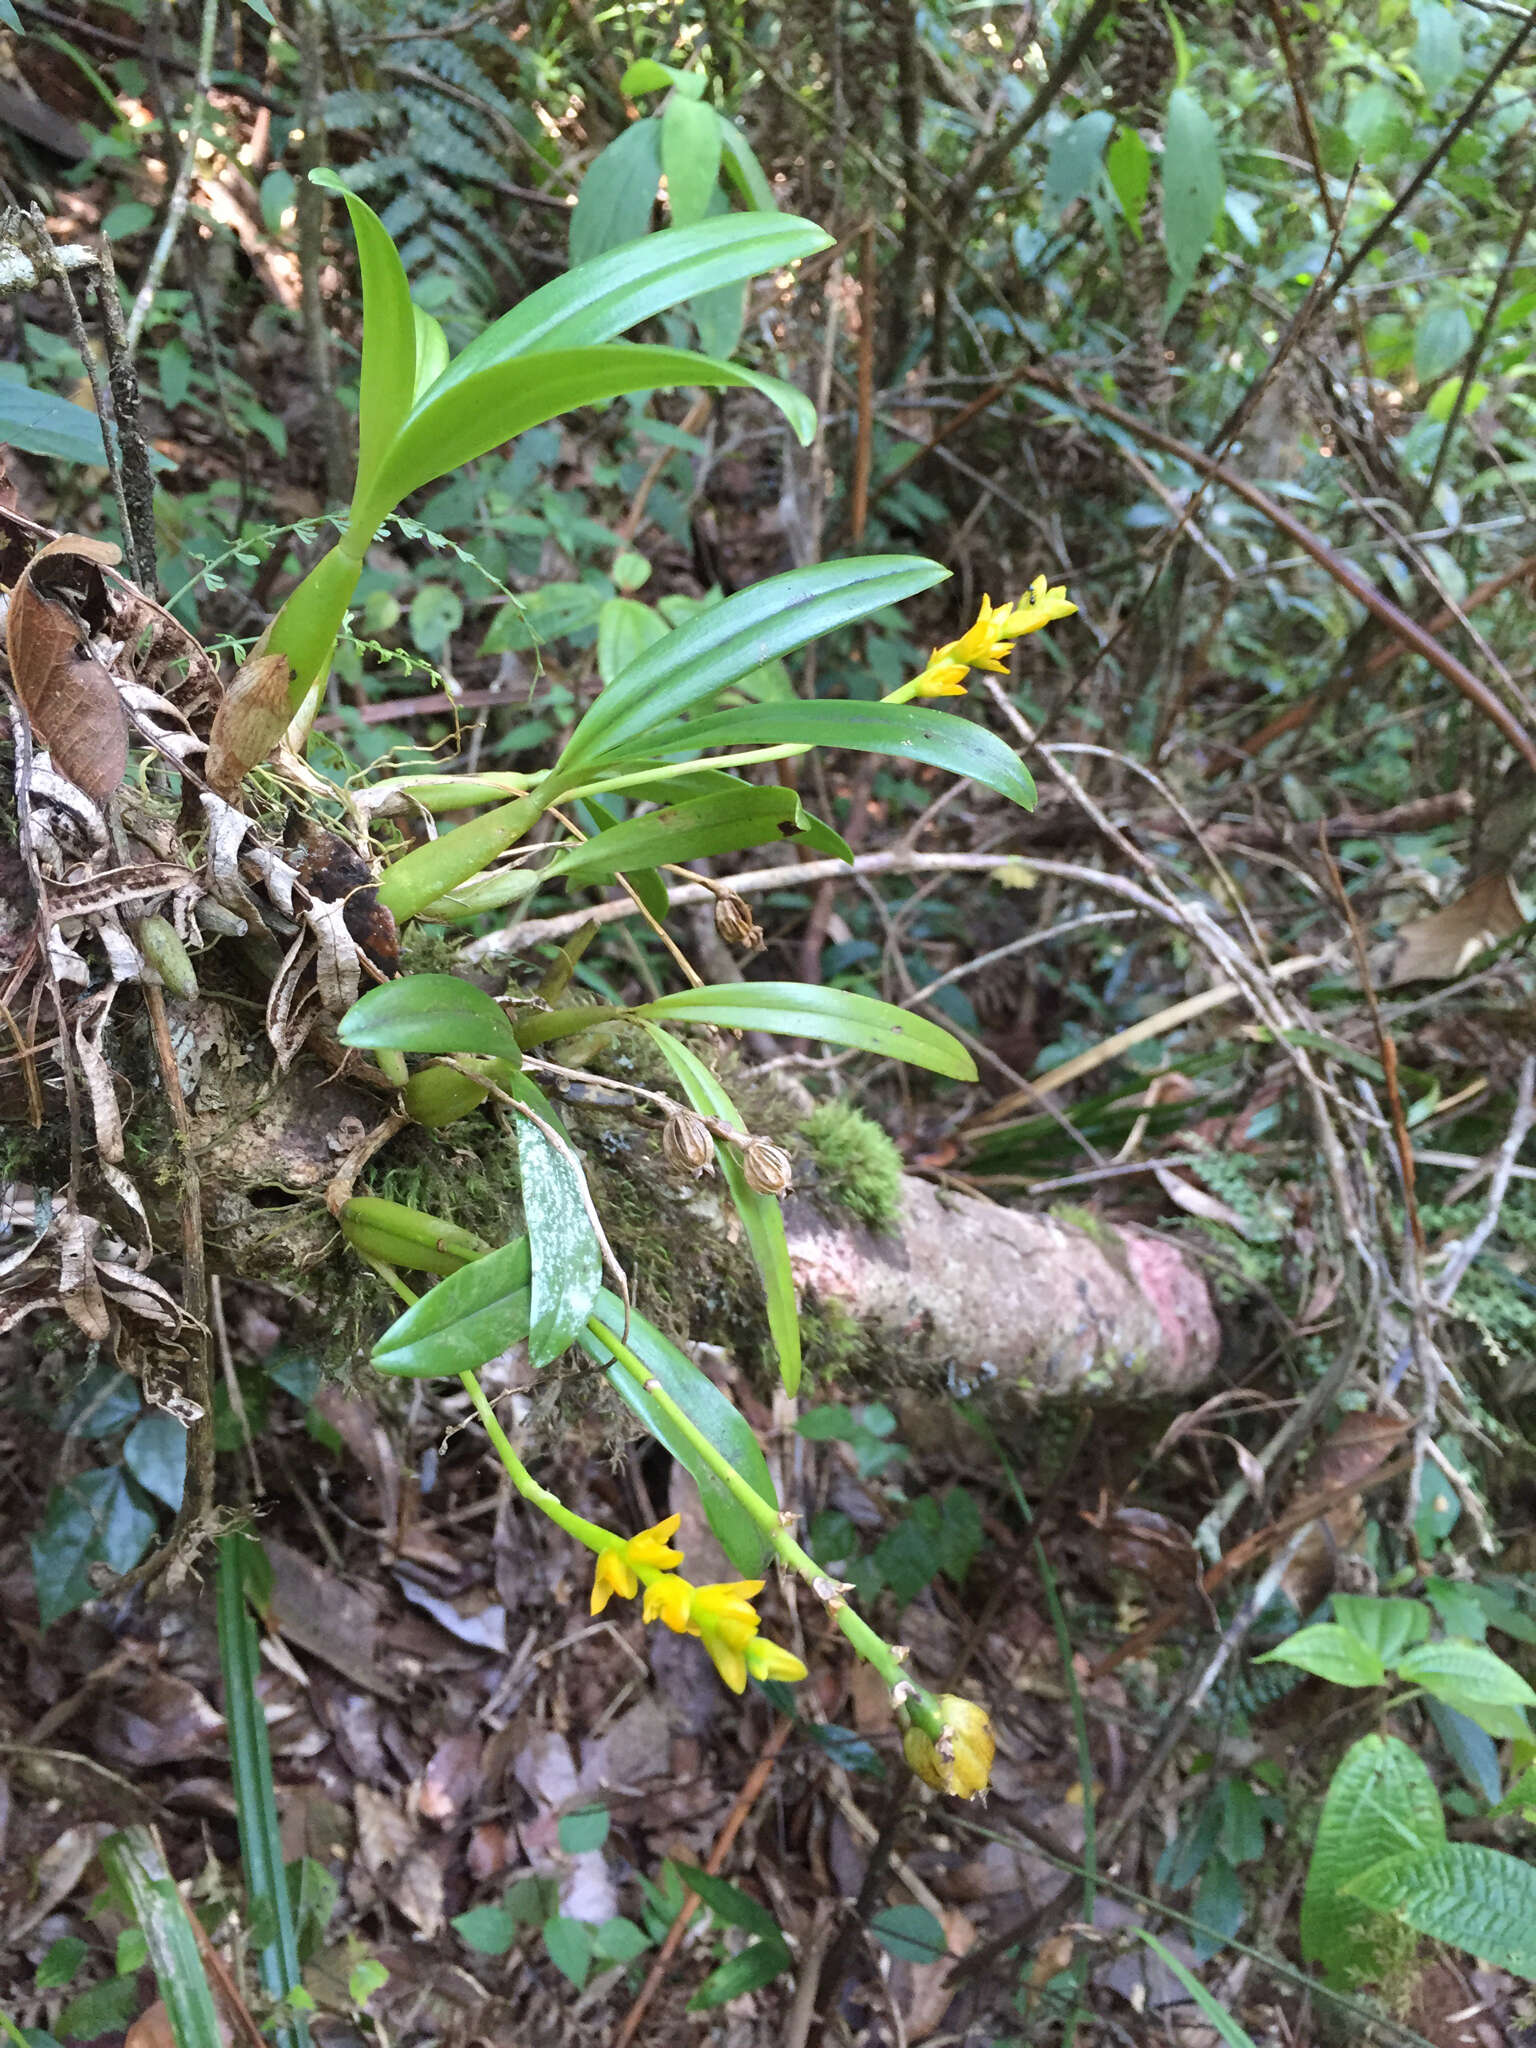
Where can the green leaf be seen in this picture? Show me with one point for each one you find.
(625, 628)
(567, 1262)
(1226, 2027)
(437, 612)
(1438, 54)
(620, 1940)
(762, 1218)
(1382, 1803)
(600, 299)
(431, 351)
(1128, 162)
(835, 1016)
(618, 193)
(1193, 188)
(250, 1755)
(744, 170)
(9, 18)
(718, 1420)
(1386, 1627)
(103, 2009)
(586, 1827)
(737, 818)
(42, 423)
(531, 1900)
(570, 1947)
(542, 615)
(156, 1454)
(718, 647)
(1331, 1652)
(467, 413)
(1469, 1747)
(1441, 337)
(365, 1977)
(93, 1518)
(470, 1317)
(1377, 123)
(731, 1906)
(134, 1865)
(1471, 1897)
(60, 1964)
(387, 385)
(490, 1930)
(690, 157)
(430, 1013)
(1219, 1909)
(909, 732)
(1465, 1675)
(646, 75)
(910, 1933)
(1076, 156)
(750, 1971)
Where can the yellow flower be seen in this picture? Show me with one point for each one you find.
(961, 1760)
(988, 643)
(726, 1611)
(941, 678)
(616, 1567)
(770, 1660)
(650, 1546)
(670, 1599)
(614, 1574)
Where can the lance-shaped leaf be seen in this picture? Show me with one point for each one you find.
(802, 1010)
(467, 413)
(729, 641)
(136, 1868)
(430, 1013)
(761, 1217)
(567, 1262)
(716, 1419)
(911, 732)
(726, 823)
(387, 386)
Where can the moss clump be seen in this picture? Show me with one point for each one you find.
(858, 1169)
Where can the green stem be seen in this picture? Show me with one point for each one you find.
(921, 1707)
(588, 1533)
(675, 768)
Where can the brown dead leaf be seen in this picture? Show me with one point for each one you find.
(929, 1996)
(418, 1891)
(1437, 947)
(252, 717)
(384, 1835)
(164, 1720)
(71, 701)
(152, 2029)
(452, 1777)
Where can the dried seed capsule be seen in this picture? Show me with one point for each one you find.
(166, 956)
(735, 923)
(686, 1144)
(767, 1168)
(435, 1096)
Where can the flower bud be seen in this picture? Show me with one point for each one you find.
(435, 1096)
(735, 923)
(961, 1760)
(767, 1168)
(166, 956)
(686, 1144)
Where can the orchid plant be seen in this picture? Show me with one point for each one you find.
(652, 734)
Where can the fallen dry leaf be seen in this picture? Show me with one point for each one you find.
(71, 701)
(162, 1721)
(1436, 947)
(384, 1835)
(418, 1891)
(452, 1777)
(251, 719)
(152, 2029)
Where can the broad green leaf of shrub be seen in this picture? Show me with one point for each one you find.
(1441, 338)
(1386, 1627)
(1076, 156)
(1462, 1893)
(93, 1518)
(1470, 1678)
(1438, 53)
(1331, 1652)
(1381, 1804)
(1377, 123)
(910, 1933)
(1193, 188)
(690, 157)
(570, 1947)
(42, 423)
(155, 1452)
(1128, 162)
(750, 1971)
(617, 194)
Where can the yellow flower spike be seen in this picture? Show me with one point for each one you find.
(726, 1611)
(940, 678)
(614, 1574)
(767, 1660)
(671, 1599)
(960, 1761)
(727, 1657)
(651, 1547)
(988, 643)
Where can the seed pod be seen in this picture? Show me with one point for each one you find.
(735, 923)
(435, 1096)
(167, 956)
(767, 1168)
(407, 1237)
(686, 1144)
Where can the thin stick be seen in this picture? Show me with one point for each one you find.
(181, 191)
(863, 453)
(746, 1799)
(1472, 1244)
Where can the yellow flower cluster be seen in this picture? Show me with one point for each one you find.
(988, 643)
(722, 1617)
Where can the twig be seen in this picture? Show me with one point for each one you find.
(1463, 1254)
(181, 191)
(132, 448)
(746, 1799)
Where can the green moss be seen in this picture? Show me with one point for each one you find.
(835, 1344)
(858, 1169)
